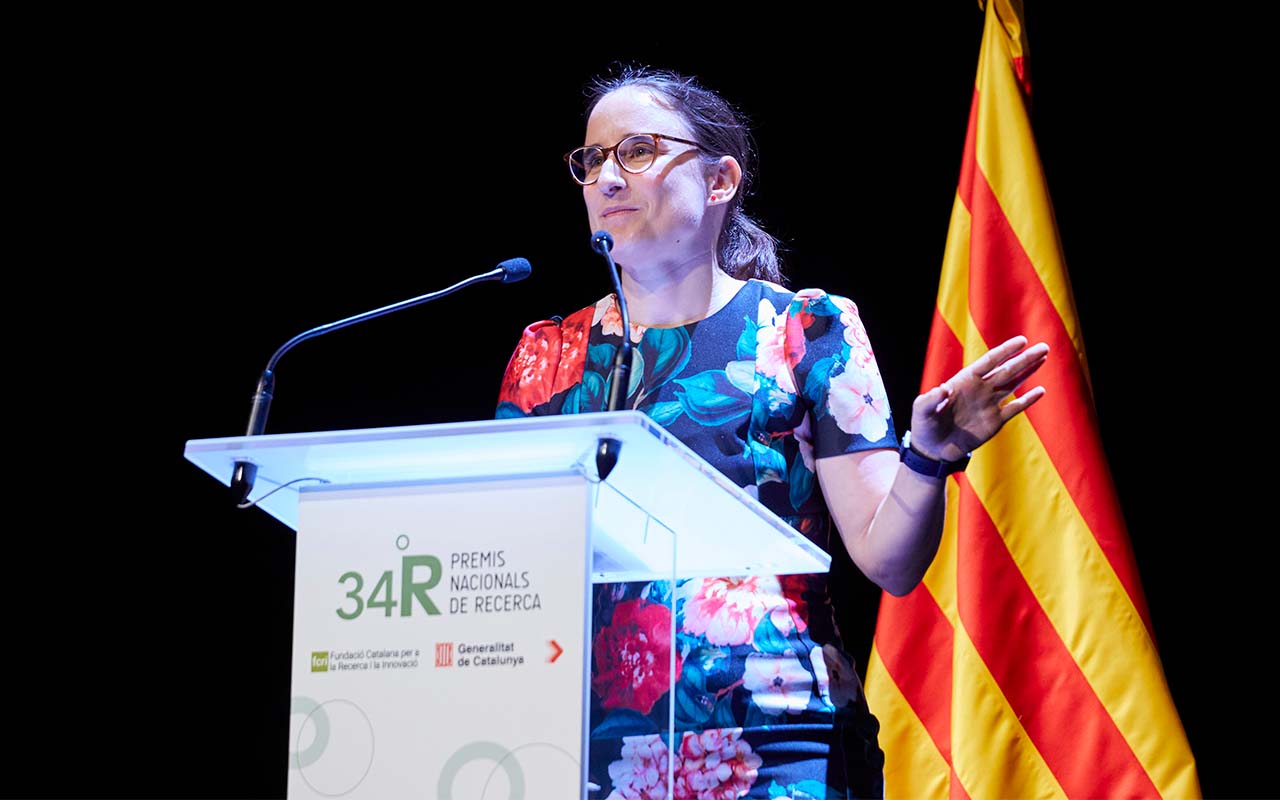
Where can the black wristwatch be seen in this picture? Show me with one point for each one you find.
(918, 462)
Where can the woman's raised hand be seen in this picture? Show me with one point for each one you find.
(953, 419)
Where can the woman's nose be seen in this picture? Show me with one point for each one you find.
(611, 178)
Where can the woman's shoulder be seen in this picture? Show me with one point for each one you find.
(546, 359)
(810, 300)
(552, 326)
(590, 315)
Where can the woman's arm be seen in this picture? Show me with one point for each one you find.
(889, 516)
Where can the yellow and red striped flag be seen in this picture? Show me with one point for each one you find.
(1024, 665)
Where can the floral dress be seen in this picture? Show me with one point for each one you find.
(760, 389)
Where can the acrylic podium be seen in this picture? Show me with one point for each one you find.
(442, 629)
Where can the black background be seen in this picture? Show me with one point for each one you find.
(214, 185)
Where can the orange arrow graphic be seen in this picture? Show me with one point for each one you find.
(558, 650)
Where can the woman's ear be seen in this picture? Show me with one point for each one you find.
(724, 181)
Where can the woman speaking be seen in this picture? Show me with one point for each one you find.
(780, 391)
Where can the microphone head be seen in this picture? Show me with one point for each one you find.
(515, 269)
(601, 242)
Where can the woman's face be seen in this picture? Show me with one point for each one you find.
(663, 214)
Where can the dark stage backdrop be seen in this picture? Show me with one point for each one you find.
(241, 181)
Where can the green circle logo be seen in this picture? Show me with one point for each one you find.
(481, 751)
(316, 716)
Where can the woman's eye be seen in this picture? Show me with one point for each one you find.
(639, 153)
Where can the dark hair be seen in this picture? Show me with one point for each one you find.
(744, 250)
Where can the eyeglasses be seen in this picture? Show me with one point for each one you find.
(634, 154)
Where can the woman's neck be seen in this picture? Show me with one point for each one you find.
(677, 294)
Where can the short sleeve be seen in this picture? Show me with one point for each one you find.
(531, 371)
(548, 361)
(836, 376)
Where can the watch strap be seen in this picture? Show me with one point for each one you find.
(929, 467)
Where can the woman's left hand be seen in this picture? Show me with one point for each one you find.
(953, 419)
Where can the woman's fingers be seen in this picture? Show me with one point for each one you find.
(1017, 405)
(1021, 378)
(997, 355)
(947, 394)
(936, 398)
(1007, 374)
(1018, 371)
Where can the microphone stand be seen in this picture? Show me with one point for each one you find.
(245, 472)
(608, 448)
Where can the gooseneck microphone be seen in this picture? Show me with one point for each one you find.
(244, 473)
(608, 449)
(602, 243)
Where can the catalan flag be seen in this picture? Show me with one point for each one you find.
(1024, 665)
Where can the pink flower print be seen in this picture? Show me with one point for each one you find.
(845, 305)
(778, 683)
(863, 359)
(855, 333)
(858, 402)
(609, 318)
(716, 764)
(727, 610)
(771, 347)
(641, 773)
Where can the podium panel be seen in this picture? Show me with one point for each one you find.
(424, 615)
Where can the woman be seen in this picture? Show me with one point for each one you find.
(778, 390)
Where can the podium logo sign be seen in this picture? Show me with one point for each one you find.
(414, 586)
(480, 582)
(320, 661)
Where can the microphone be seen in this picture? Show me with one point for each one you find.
(514, 269)
(244, 472)
(608, 449)
(602, 243)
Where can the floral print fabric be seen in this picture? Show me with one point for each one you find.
(760, 389)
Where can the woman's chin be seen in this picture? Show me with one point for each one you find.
(624, 249)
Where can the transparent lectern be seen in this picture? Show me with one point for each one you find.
(442, 608)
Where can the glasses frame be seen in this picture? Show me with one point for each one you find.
(606, 151)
